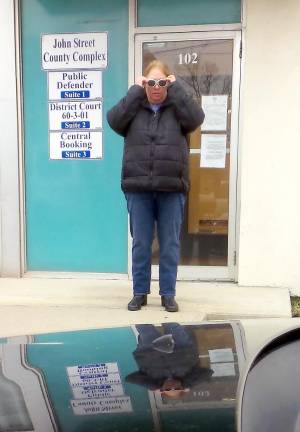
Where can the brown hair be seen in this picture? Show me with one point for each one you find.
(157, 64)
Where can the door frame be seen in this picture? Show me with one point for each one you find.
(209, 273)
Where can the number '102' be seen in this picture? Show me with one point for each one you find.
(188, 58)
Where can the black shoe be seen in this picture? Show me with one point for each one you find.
(169, 303)
(137, 302)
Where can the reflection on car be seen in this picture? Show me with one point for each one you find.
(167, 377)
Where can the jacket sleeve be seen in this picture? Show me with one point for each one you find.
(120, 116)
(189, 113)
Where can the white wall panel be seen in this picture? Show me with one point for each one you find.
(9, 173)
(269, 249)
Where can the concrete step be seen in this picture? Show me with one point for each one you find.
(207, 297)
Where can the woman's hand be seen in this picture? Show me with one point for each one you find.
(171, 78)
(141, 81)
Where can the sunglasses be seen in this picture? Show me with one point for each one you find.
(171, 389)
(159, 82)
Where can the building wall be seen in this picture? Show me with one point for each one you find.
(270, 148)
(269, 229)
(9, 175)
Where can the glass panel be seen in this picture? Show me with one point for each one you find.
(204, 68)
(177, 12)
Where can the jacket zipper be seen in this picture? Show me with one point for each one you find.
(152, 147)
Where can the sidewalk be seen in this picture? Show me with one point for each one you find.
(42, 305)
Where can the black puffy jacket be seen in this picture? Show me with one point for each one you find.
(156, 153)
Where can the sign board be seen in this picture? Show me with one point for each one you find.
(75, 114)
(75, 144)
(74, 85)
(67, 51)
(75, 93)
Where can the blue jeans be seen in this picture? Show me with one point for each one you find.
(166, 209)
(148, 333)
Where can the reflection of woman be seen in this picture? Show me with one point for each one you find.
(172, 368)
(154, 117)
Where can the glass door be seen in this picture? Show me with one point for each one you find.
(207, 65)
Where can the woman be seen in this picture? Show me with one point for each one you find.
(154, 118)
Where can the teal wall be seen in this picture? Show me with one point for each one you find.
(83, 348)
(76, 217)
(188, 12)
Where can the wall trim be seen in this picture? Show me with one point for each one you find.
(189, 28)
(74, 275)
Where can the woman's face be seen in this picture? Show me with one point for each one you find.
(156, 94)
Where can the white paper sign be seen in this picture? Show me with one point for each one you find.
(74, 85)
(215, 110)
(213, 151)
(223, 369)
(101, 406)
(76, 145)
(102, 391)
(92, 369)
(75, 115)
(74, 51)
(221, 355)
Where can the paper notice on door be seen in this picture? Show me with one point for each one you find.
(215, 110)
(213, 151)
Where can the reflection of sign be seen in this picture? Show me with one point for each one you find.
(215, 110)
(102, 391)
(221, 355)
(97, 389)
(94, 380)
(223, 369)
(74, 51)
(222, 362)
(213, 151)
(96, 368)
(101, 406)
(98, 374)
